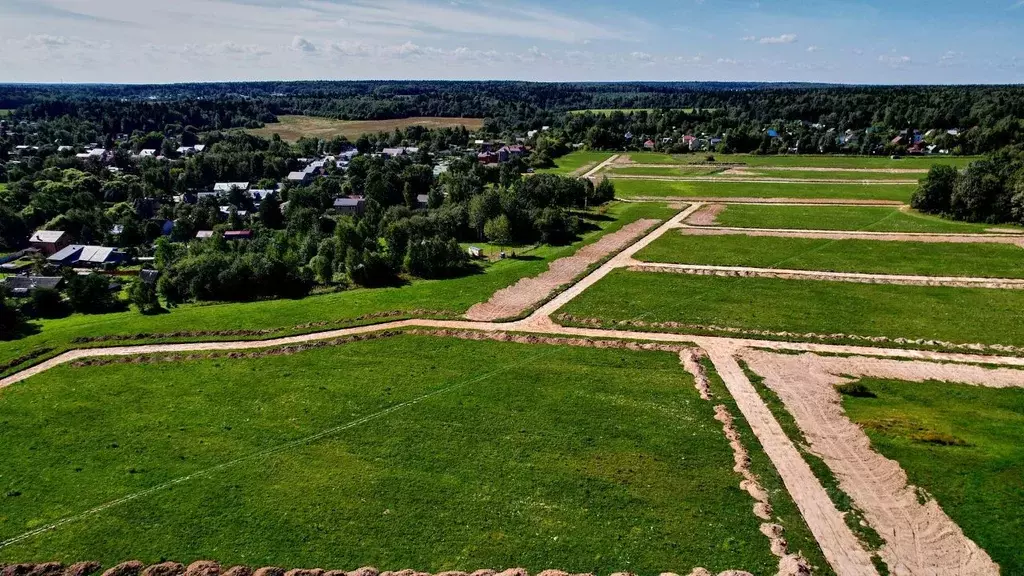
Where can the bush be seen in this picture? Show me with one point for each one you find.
(90, 294)
(10, 319)
(47, 303)
(435, 258)
(855, 389)
(143, 296)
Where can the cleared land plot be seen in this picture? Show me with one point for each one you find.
(839, 255)
(964, 445)
(492, 454)
(630, 188)
(283, 317)
(609, 111)
(663, 171)
(291, 128)
(798, 308)
(827, 175)
(804, 161)
(576, 161)
(852, 218)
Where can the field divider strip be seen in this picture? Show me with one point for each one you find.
(269, 452)
(853, 277)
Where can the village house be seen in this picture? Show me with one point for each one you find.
(225, 187)
(25, 285)
(238, 235)
(79, 255)
(49, 241)
(350, 205)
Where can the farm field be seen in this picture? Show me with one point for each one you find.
(283, 317)
(631, 188)
(712, 304)
(964, 445)
(607, 111)
(412, 451)
(680, 171)
(575, 161)
(851, 218)
(839, 255)
(291, 128)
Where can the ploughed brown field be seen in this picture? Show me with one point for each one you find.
(291, 128)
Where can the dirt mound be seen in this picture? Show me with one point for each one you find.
(706, 216)
(529, 292)
(919, 537)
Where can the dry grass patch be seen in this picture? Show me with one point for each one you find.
(291, 128)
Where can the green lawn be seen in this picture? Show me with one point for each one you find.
(852, 218)
(965, 446)
(630, 188)
(959, 315)
(867, 256)
(832, 175)
(679, 171)
(428, 452)
(574, 161)
(452, 297)
(811, 161)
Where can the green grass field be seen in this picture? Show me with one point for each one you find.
(959, 315)
(679, 171)
(413, 451)
(866, 256)
(964, 445)
(832, 175)
(452, 297)
(629, 188)
(851, 218)
(574, 161)
(804, 161)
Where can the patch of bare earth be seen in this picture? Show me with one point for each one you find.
(919, 537)
(840, 235)
(529, 292)
(706, 216)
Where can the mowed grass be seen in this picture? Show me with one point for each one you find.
(805, 161)
(423, 452)
(839, 255)
(575, 161)
(664, 171)
(832, 175)
(964, 445)
(291, 128)
(958, 315)
(631, 188)
(449, 297)
(851, 218)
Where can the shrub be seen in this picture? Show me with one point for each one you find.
(90, 294)
(47, 303)
(855, 389)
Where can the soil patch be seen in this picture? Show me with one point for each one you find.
(529, 292)
(706, 216)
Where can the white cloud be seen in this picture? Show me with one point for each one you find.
(302, 45)
(895, 61)
(781, 39)
(814, 48)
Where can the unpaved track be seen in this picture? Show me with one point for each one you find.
(597, 169)
(528, 292)
(930, 237)
(919, 538)
(854, 277)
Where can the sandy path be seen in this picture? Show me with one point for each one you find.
(919, 538)
(749, 179)
(597, 169)
(854, 277)
(854, 235)
(756, 201)
(528, 292)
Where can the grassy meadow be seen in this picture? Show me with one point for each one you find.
(849, 218)
(663, 171)
(805, 161)
(630, 188)
(831, 175)
(839, 255)
(958, 315)
(448, 297)
(575, 161)
(412, 451)
(964, 445)
(291, 128)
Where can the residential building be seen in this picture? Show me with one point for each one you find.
(350, 205)
(238, 235)
(49, 241)
(25, 285)
(79, 255)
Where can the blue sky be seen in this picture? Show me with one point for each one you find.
(851, 41)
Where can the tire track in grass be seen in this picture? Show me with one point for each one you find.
(267, 453)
